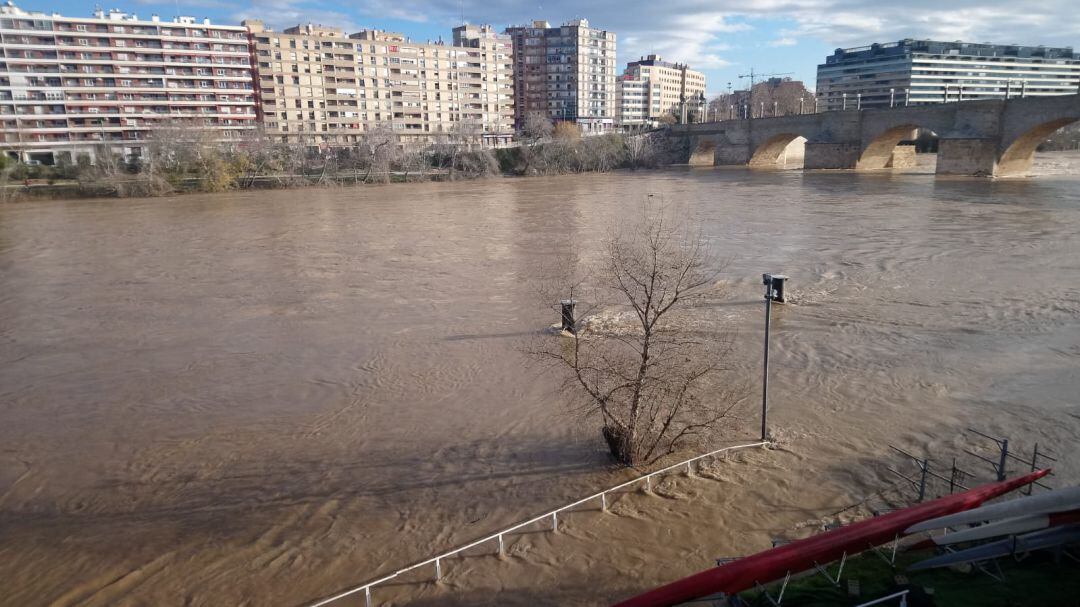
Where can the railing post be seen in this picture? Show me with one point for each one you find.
(689, 469)
(603, 502)
(367, 596)
(1004, 455)
(438, 570)
(648, 483)
(925, 465)
(555, 522)
(502, 547)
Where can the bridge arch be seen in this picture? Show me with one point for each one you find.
(772, 151)
(703, 152)
(1019, 154)
(879, 153)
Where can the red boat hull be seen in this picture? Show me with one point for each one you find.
(823, 548)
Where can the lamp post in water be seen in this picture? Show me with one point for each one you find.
(774, 291)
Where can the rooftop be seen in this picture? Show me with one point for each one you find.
(936, 47)
(9, 9)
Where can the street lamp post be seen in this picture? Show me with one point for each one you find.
(774, 291)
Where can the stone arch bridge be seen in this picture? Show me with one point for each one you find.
(994, 137)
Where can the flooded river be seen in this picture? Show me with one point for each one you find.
(263, 397)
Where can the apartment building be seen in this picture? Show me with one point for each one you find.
(321, 87)
(671, 87)
(919, 72)
(631, 101)
(566, 73)
(70, 85)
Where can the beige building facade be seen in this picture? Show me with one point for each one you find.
(321, 87)
(71, 86)
(668, 86)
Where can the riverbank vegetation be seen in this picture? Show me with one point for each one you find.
(192, 160)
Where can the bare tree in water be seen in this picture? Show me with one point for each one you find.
(639, 361)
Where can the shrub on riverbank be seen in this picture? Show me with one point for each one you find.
(600, 154)
(179, 160)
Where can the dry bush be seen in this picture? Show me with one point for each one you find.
(639, 363)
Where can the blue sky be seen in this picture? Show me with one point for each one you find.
(723, 38)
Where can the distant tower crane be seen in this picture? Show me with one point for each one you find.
(754, 79)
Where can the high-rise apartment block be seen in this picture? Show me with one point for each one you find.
(670, 87)
(923, 71)
(318, 86)
(72, 86)
(565, 73)
(69, 85)
(631, 101)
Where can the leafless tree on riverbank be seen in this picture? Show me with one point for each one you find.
(638, 362)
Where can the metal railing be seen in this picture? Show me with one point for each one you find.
(902, 595)
(553, 515)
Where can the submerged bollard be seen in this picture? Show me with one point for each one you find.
(568, 315)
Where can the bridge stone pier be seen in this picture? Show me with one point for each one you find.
(994, 138)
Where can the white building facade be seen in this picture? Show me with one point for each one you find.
(916, 72)
(633, 101)
(670, 87)
(71, 86)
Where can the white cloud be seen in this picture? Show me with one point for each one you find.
(699, 31)
(280, 14)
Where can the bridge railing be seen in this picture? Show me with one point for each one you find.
(552, 515)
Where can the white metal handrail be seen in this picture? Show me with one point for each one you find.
(902, 595)
(553, 515)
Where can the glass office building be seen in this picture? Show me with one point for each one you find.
(918, 72)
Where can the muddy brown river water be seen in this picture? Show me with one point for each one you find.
(263, 397)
